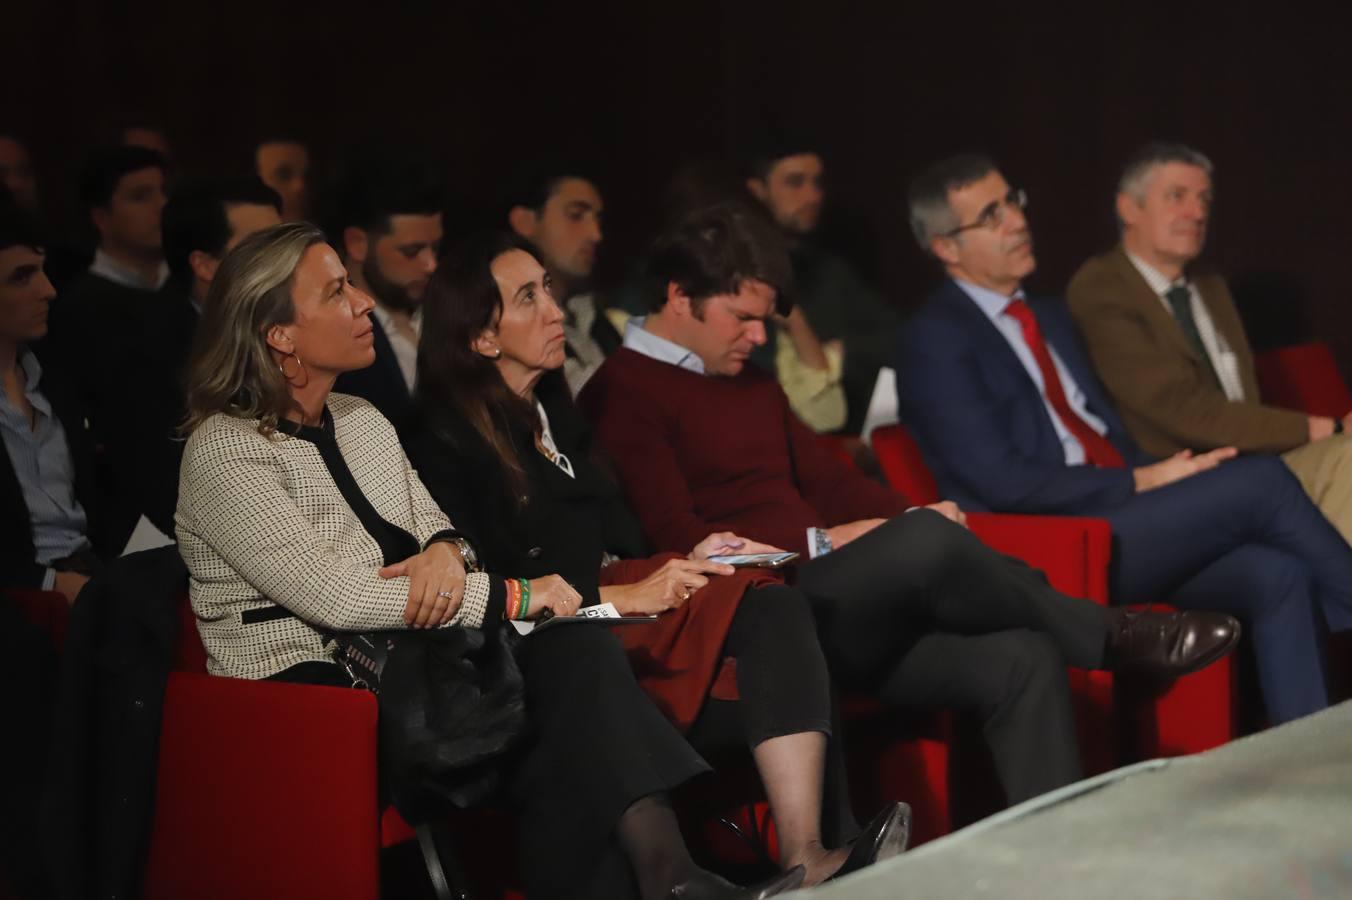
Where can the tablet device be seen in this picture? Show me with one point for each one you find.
(756, 560)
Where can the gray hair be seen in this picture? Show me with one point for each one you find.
(930, 214)
(232, 370)
(1138, 169)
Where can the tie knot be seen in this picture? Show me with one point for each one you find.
(1017, 309)
(1179, 298)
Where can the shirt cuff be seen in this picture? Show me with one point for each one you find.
(49, 579)
(818, 543)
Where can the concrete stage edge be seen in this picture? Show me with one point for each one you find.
(1268, 816)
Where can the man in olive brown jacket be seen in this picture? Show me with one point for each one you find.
(1170, 346)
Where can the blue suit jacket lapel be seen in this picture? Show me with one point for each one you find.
(995, 353)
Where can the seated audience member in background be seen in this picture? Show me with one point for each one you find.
(202, 222)
(912, 609)
(122, 189)
(46, 473)
(283, 164)
(489, 384)
(558, 213)
(139, 133)
(16, 172)
(1169, 344)
(388, 225)
(999, 393)
(300, 515)
(836, 304)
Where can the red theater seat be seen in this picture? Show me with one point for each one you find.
(269, 789)
(1191, 714)
(1304, 377)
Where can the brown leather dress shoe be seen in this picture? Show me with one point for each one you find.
(1168, 644)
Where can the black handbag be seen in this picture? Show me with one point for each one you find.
(451, 702)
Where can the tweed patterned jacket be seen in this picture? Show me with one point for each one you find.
(261, 524)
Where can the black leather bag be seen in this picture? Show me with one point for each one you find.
(451, 703)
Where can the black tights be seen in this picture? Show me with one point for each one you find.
(784, 688)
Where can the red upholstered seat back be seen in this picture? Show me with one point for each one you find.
(1304, 377)
(903, 465)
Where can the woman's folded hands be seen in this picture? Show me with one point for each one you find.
(436, 585)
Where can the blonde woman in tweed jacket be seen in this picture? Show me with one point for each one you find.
(299, 513)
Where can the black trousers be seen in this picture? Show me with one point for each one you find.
(783, 687)
(920, 613)
(598, 744)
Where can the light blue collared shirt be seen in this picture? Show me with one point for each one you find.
(45, 471)
(641, 340)
(993, 305)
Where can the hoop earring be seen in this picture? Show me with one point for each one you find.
(300, 367)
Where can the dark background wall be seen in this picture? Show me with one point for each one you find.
(1061, 93)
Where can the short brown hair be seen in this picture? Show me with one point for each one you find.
(714, 250)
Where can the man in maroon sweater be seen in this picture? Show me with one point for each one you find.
(911, 608)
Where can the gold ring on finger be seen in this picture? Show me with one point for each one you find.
(446, 594)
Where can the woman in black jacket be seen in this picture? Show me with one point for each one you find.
(502, 449)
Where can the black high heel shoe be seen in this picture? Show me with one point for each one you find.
(708, 886)
(885, 837)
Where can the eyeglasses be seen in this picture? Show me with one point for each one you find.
(993, 216)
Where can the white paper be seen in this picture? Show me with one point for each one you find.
(882, 406)
(599, 611)
(145, 536)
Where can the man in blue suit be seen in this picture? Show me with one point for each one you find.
(1001, 397)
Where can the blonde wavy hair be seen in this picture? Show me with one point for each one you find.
(231, 369)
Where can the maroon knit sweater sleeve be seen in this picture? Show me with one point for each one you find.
(838, 491)
(636, 436)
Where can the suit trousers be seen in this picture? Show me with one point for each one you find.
(920, 613)
(1325, 471)
(1245, 539)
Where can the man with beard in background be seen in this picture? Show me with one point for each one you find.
(388, 227)
(558, 212)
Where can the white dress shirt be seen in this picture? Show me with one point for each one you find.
(405, 348)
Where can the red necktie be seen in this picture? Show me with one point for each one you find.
(1098, 450)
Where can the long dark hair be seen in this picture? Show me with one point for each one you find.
(461, 301)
